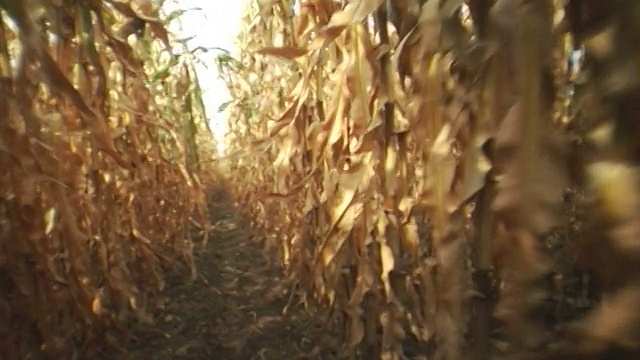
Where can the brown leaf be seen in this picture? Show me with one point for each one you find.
(288, 52)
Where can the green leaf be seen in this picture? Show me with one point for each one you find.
(224, 106)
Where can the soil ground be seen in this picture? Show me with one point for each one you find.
(234, 310)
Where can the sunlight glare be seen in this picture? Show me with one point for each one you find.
(210, 24)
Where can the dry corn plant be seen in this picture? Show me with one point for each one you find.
(606, 112)
(409, 161)
(99, 146)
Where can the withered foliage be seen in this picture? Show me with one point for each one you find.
(423, 166)
(101, 128)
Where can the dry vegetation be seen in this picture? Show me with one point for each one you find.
(436, 176)
(101, 132)
(433, 173)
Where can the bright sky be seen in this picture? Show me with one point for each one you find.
(211, 23)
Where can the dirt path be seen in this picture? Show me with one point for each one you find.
(234, 310)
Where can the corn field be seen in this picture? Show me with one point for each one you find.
(436, 179)
(101, 134)
(445, 177)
